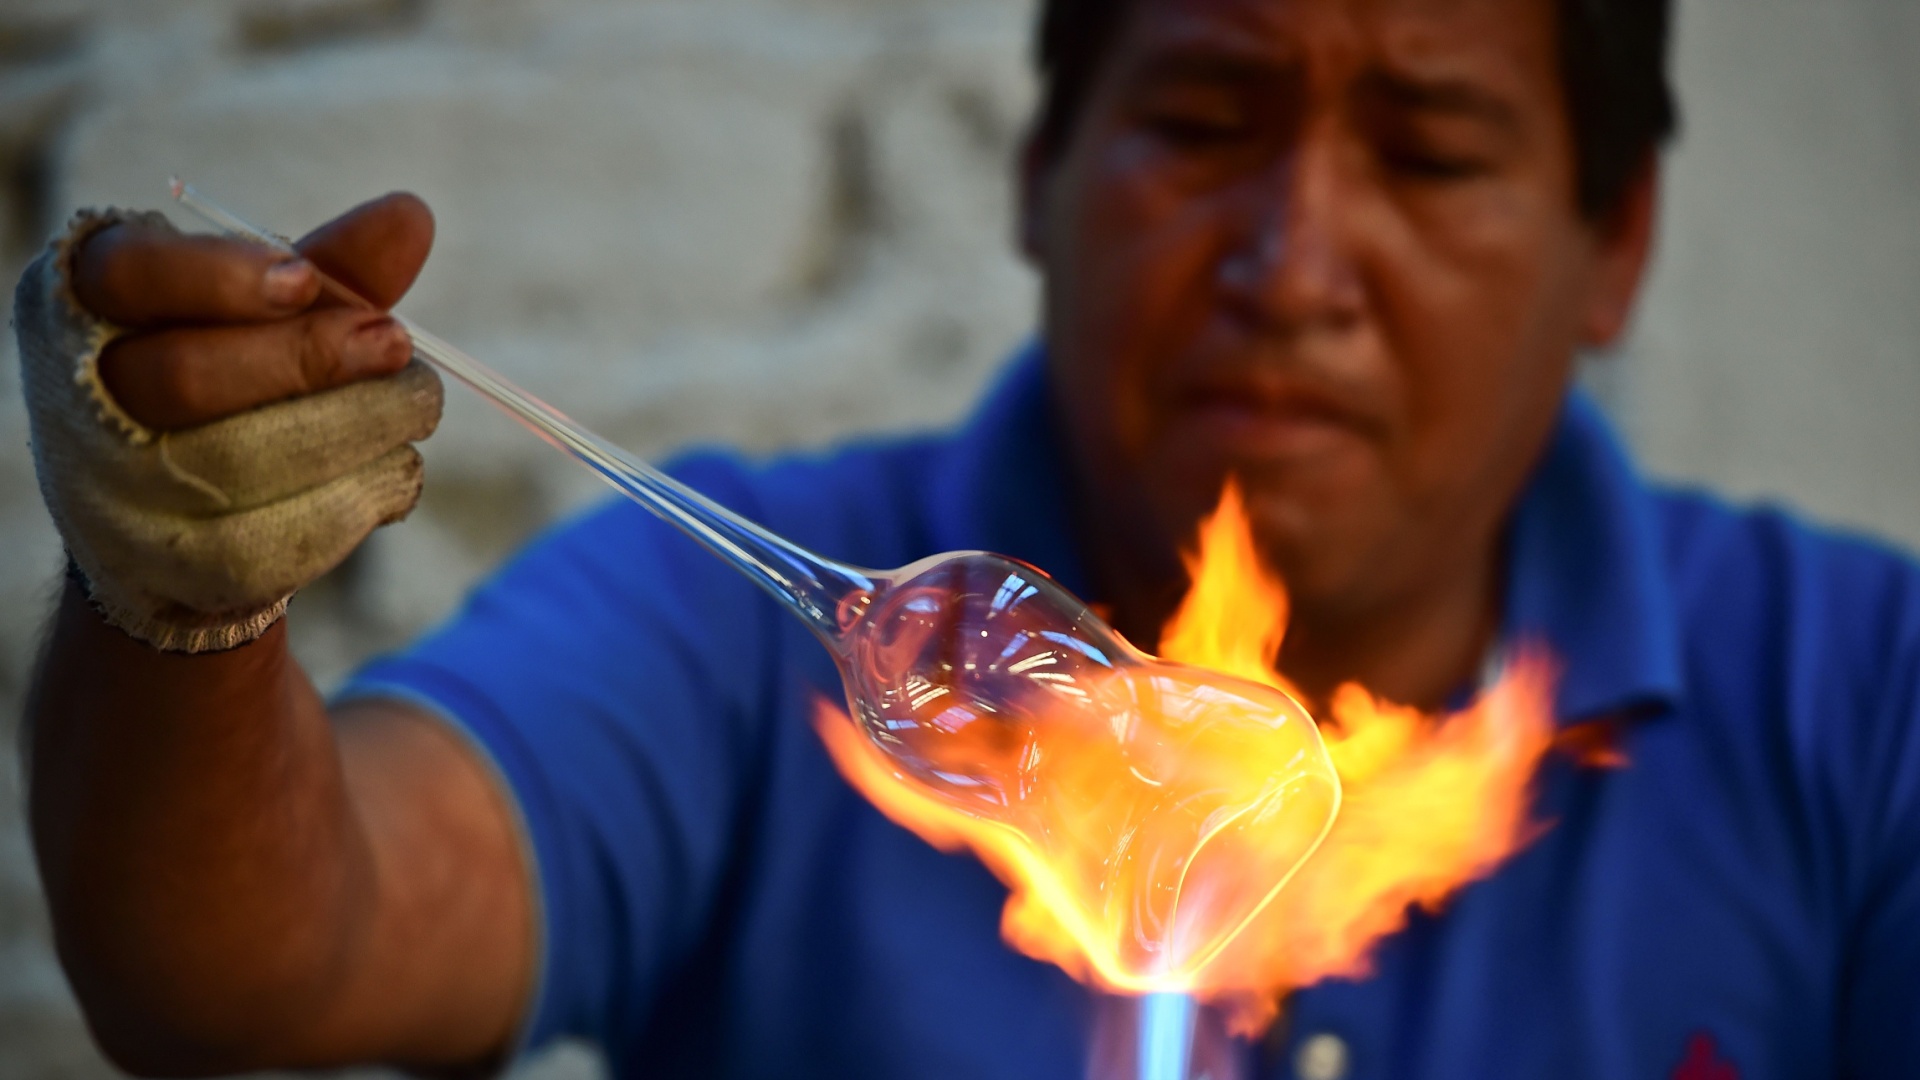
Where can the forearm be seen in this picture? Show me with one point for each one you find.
(238, 880)
(204, 867)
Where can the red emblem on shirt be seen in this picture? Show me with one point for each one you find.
(1703, 1062)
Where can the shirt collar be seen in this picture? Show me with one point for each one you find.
(1585, 571)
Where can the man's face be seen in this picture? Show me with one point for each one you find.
(1330, 247)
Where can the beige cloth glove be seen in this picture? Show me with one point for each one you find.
(195, 540)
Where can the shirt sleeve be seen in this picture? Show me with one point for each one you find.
(1880, 977)
(614, 674)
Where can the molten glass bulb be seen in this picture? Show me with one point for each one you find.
(1144, 811)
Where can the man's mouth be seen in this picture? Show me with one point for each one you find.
(1259, 420)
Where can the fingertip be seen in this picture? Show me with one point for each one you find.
(378, 248)
(415, 207)
(413, 226)
(378, 347)
(290, 284)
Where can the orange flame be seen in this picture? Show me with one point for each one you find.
(1425, 806)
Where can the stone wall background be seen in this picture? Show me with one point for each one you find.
(775, 222)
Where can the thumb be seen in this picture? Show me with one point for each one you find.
(376, 249)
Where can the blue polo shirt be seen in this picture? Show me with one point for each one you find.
(1742, 900)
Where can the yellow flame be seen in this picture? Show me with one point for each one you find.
(1427, 805)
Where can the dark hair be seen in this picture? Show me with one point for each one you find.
(1613, 59)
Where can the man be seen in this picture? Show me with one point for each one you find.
(1344, 250)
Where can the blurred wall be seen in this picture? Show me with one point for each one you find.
(775, 222)
(1777, 354)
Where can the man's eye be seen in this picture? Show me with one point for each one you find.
(1424, 164)
(1196, 122)
(1195, 129)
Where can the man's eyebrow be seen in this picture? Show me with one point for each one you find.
(1442, 95)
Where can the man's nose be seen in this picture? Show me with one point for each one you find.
(1289, 264)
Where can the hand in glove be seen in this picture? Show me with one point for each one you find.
(210, 433)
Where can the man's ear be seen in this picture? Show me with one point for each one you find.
(1034, 171)
(1624, 246)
